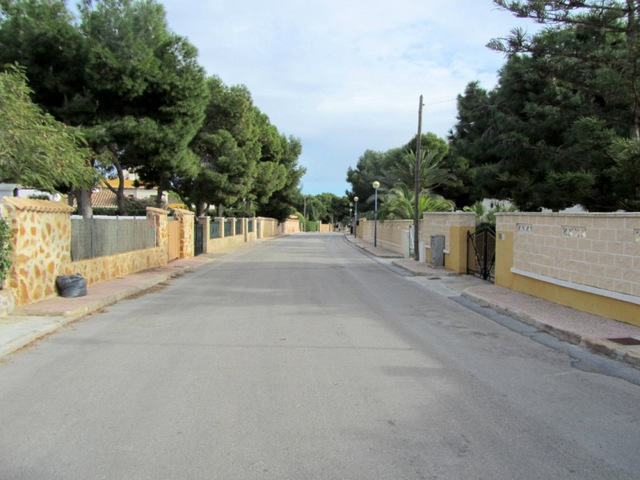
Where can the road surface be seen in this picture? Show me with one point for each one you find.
(303, 358)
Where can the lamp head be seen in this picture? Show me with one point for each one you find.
(376, 184)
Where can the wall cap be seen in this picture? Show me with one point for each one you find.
(183, 212)
(570, 215)
(157, 211)
(33, 205)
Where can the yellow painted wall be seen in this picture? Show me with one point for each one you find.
(456, 259)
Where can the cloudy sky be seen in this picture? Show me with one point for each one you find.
(345, 76)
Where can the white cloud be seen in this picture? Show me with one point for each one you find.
(345, 75)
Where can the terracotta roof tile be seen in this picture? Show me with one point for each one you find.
(104, 199)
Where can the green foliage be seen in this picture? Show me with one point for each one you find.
(370, 167)
(246, 165)
(398, 204)
(139, 96)
(431, 175)
(397, 166)
(134, 207)
(549, 135)
(35, 149)
(281, 202)
(5, 249)
(41, 36)
(315, 208)
(487, 216)
(146, 90)
(311, 226)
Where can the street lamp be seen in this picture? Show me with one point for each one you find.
(376, 185)
(350, 215)
(355, 225)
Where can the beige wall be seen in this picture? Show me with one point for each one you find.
(291, 225)
(454, 227)
(262, 228)
(392, 235)
(586, 261)
(269, 227)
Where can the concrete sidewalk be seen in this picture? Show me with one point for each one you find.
(591, 331)
(28, 323)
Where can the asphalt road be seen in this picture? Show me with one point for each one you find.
(303, 358)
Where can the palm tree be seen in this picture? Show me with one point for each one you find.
(487, 216)
(398, 204)
(432, 174)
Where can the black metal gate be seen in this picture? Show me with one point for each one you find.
(481, 253)
(198, 239)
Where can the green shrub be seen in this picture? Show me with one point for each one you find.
(5, 249)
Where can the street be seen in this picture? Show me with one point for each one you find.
(303, 358)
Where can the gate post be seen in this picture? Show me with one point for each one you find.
(205, 222)
(161, 219)
(187, 225)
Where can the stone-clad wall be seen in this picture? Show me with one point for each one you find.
(187, 240)
(42, 250)
(41, 247)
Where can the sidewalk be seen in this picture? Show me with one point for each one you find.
(31, 322)
(591, 331)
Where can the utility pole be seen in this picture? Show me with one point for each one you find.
(416, 188)
(304, 214)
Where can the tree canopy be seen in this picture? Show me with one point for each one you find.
(561, 127)
(396, 168)
(35, 149)
(565, 116)
(136, 91)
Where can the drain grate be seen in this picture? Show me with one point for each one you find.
(626, 340)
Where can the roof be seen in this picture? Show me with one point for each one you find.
(114, 182)
(104, 199)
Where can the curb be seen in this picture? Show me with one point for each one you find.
(31, 325)
(431, 272)
(598, 346)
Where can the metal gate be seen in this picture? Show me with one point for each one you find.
(481, 253)
(198, 236)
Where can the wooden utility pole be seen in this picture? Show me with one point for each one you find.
(416, 188)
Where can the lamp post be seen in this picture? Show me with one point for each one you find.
(355, 224)
(376, 185)
(350, 215)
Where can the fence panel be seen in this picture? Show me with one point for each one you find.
(99, 237)
(214, 230)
